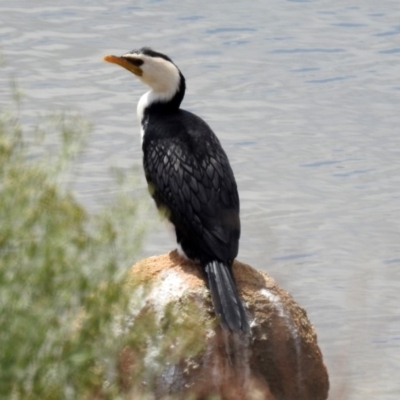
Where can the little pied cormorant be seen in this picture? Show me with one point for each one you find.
(189, 178)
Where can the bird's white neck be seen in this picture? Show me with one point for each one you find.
(149, 98)
(144, 102)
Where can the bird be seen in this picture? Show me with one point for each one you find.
(190, 179)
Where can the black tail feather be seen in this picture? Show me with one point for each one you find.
(225, 297)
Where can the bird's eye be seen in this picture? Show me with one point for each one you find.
(135, 61)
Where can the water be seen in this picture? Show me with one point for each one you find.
(304, 96)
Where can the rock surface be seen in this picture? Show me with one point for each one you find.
(281, 359)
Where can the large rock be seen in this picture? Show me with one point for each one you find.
(281, 359)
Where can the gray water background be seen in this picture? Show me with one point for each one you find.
(304, 96)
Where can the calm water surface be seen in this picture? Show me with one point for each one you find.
(305, 97)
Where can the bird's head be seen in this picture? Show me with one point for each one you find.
(153, 69)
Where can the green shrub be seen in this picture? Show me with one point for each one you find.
(62, 270)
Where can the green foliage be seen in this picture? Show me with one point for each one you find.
(64, 295)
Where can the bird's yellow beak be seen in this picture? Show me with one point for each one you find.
(124, 63)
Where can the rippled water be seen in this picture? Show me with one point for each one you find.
(304, 96)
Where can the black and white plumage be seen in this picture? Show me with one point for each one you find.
(190, 179)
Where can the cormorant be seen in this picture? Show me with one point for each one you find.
(189, 178)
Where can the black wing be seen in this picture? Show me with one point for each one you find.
(189, 174)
